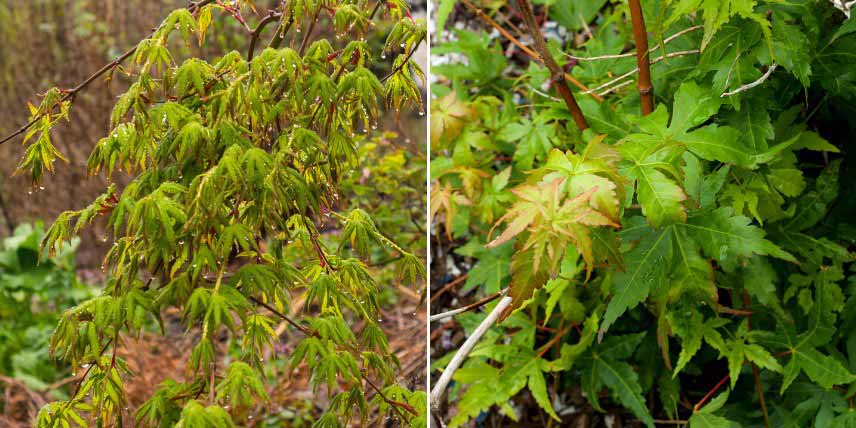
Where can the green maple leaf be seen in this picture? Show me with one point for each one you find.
(716, 13)
(646, 268)
(729, 238)
(491, 270)
(603, 366)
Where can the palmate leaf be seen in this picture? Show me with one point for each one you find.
(491, 270)
(552, 223)
(717, 13)
(661, 198)
(728, 238)
(669, 260)
(646, 268)
(603, 365)
(525, 279)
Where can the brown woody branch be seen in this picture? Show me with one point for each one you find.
(510, 37)
(557, 75)
(646, 89)
(403, 64)
(71, 93)
(254, 36)
(309, 30)
(747, 304)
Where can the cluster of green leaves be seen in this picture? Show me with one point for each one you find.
(242, 197)
(32, 295)
(650, 256)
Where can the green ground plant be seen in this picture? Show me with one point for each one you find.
(245, 193)
(676, 247)
(32, 295)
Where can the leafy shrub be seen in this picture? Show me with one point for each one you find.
(32, 295)
(239, 199)
(653, 260)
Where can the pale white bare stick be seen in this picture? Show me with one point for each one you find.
(731, 68)
(749, 86)
(464, 351)
(616, 87)
(453, 312)
(636, 70)
(633, 54)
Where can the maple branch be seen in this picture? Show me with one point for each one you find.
(448, 286)
(523, 47)
(555, 339)
(254, 36)
(747, 303)
(466, 348)
(557, 75)
(666, 41)
(303, 329)
(79, 384)
(71, 93)
(751, 85)
(309, 30)
(397, 405)
(403, 64)
(470, 307)
(640, 35)
(636, 70)
(279, 35)
(710, 393)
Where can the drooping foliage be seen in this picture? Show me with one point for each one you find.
(247, 191)
(653, 260)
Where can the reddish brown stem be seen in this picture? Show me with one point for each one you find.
(646, 89)
(523, 47)
(710, 393)
(557, 75)
(747, 303)
(554, 340)
(448, 286)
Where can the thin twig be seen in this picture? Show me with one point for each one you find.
(731, 69)
(71, 93)
(557, 75)
(397, 405)
(749, 86)
(280, 33)
(466, 348)
(747, 304)
(470, 307)
(666, 41)
(710, 393)
(254, 37)
(79, 384)
(635, 70)
(640, 35)
(615, 88)
(524, 48)
(303, 329)
(309, 30)
(448, 285)
(403, 64)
